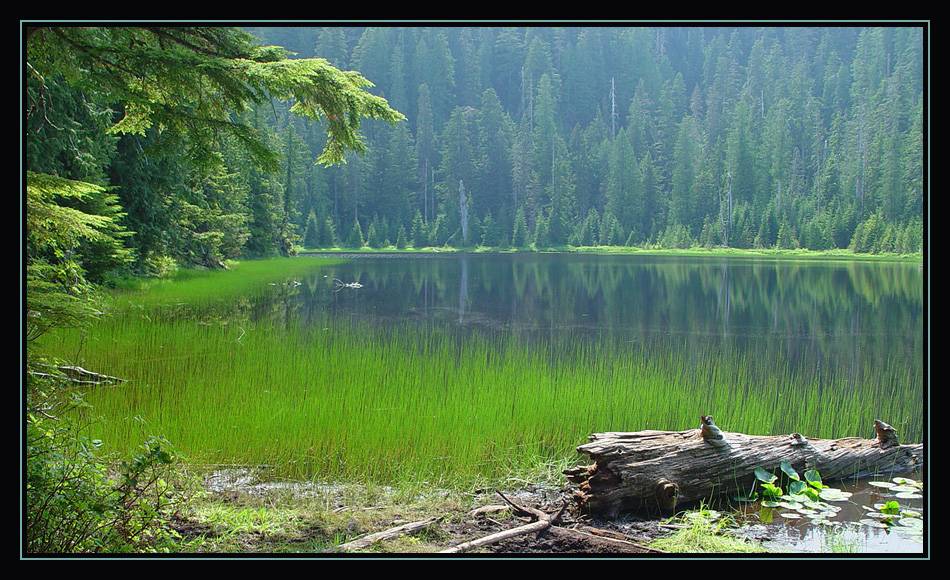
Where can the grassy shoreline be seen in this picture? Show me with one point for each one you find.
(697, 252)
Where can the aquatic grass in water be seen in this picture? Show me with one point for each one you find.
(196, 286)
(333, 399)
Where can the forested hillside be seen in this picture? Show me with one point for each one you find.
(739, 137)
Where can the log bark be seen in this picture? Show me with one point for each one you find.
(655, 472)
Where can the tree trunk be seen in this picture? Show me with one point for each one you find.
(654, 472)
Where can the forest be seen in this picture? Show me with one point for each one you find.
(534, 137)
(286, 289)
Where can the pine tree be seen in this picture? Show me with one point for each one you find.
(519, 234)
(355, 239)
(401, 241)
(328, 237)
(311, 238)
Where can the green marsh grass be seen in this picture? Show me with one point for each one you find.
(339, 400)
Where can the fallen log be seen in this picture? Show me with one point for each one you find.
(655, 472)
(370, 539)
(542, 522)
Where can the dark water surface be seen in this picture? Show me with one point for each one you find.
(845, 314)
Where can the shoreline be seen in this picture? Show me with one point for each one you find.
(738, 253)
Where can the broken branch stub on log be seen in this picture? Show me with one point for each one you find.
(657, 471)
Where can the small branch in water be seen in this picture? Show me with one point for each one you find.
(340, 284)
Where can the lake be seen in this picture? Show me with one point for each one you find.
(468, 368)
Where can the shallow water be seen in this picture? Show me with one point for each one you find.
(846, 532)
(468, 366)
(852, 311)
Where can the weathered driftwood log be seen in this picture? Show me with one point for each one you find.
(370, 539)
(657, 471)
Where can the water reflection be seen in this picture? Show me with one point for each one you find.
(841, 312)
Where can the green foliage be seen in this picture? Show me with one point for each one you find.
(80, 500)
(189, 81)
(58, 231)
(519, 234)
(355, 238)
(373, 237)
(312, 237)
(401, 240)
(675, 236)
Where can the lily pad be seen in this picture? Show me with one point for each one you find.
(912, 522)
(904, 481)
(880, 516)
(807, 512)
(872, 523)
(907, 488)
(790, 515)
(910, 514)
(909, 495)
(884, 484)
(771, 504)
(836, 495)
(790, 505)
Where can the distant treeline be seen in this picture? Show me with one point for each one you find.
(743, 137)
(740, 137)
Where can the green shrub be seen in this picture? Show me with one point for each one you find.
(80, 500)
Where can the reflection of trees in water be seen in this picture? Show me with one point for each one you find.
(810, 309)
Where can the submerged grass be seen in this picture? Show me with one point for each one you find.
(197, 286)
(700, 534)
(337, 400)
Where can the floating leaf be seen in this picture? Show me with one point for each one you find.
(836, 495)
(912, 523)
(788, 470)
(771, 504)
(764, 476)
(790, 505)
(909, 495)
(807, 512)
(910, 514)
(885, 484)
(908, 488)
(904, 481)
(879, 515)
(790, 516)
(872, 523)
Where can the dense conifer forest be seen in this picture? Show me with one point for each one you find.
(670, 137)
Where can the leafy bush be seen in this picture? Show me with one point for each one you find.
(79, 500)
